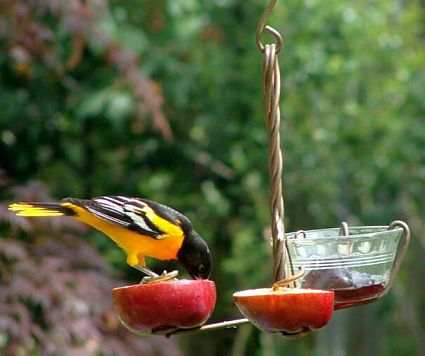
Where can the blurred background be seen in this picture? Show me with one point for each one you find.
(162, 99)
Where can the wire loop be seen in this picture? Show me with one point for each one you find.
(262, 27)
(272, 31)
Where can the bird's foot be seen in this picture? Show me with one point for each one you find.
(146, 271)
(165, 276)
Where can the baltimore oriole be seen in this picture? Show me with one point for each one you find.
(141, 227)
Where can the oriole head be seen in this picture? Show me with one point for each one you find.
(195, 256)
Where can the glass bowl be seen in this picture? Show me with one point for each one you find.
(357, 263)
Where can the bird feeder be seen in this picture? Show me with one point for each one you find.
(357, 265)
(315, 272)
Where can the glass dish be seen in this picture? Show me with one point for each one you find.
(358, 263)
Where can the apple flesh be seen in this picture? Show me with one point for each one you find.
(287, 310)
(165, 305)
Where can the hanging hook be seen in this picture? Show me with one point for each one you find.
(401, 250)
(262, 27)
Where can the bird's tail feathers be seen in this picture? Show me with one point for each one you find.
(40, 209)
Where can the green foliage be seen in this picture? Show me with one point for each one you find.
(163, 100)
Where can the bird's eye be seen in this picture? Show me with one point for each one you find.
(201, 268)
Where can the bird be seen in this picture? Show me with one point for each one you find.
(141, 227)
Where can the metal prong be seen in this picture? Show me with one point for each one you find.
(300, 233)
(344, 231)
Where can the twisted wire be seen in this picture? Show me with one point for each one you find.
(271, 87)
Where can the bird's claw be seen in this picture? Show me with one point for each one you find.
(165, 276)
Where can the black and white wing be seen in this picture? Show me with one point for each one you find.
(127, 212)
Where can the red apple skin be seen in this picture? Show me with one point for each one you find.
(162, 305)
(288, 311)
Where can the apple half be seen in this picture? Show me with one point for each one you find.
(166, 305)
(287, 310)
